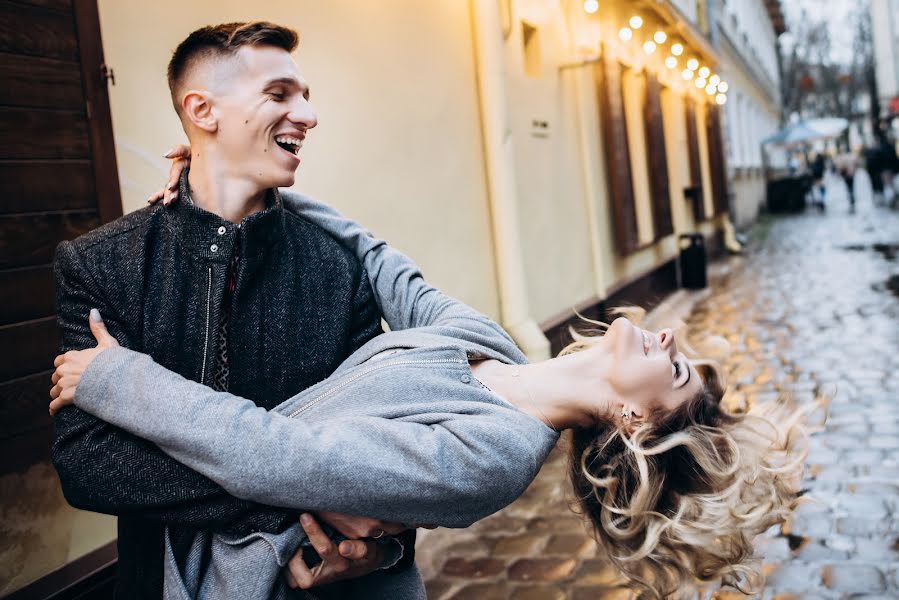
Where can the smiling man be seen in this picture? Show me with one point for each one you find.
(227, 288)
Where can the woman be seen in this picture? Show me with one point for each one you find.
(441, 421)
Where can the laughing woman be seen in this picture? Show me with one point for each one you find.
(441, 421)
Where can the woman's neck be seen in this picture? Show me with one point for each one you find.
(562, 392)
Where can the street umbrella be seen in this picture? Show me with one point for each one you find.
(802, 132)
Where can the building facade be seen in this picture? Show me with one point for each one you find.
(745, 33)
(536, 157)
(885, 37)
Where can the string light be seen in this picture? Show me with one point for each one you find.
(591, 6)
(720, 99)
(704, 72)
(625, 34)
(722, 87)
(700, 82)
(677, 49)
(714, 80)
(692, 64)
(687, 74)
(636, 22)
(649, 47)
(710, 89)
(660, 37)
(670, 62)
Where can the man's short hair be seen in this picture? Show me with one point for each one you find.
(220, 41)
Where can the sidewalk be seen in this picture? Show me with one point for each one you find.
(812, 307)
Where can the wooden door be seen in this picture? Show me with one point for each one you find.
(656, 158)
(57, 180)
(610, 94)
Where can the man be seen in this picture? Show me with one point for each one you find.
(227, 288)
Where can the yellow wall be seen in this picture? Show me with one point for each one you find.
(398, 143)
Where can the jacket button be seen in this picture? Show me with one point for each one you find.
(214, 247)
(222, 230)
(466, 379)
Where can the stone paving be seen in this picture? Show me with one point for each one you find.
(812, 307)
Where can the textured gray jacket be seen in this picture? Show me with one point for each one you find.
(401, 431)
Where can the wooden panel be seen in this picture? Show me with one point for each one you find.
(657, 158)
(62, 5)
(46, 186)
(42, 134)
(32, 346)
(40, 82)
(23, 404)
(615, 146)
(27, 240)
(694, 156)
(96, 93)
(716, 160)
(26, 294)
(37, 32)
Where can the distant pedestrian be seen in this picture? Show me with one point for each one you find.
(819, 192)
(846, 164)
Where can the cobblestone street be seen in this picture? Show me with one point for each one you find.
(811, 307)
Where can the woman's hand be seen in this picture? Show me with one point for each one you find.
(71, 365)
(180, 156)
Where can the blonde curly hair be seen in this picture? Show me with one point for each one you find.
(676, 501)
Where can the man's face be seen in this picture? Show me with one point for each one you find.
(263, 113)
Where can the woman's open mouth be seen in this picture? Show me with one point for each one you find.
(289, 143)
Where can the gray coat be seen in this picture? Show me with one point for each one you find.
(401, 431)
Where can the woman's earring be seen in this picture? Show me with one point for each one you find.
(626, 415)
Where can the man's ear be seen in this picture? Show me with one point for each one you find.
(197, 108)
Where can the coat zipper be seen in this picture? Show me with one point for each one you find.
(337, 388)
(208, 316)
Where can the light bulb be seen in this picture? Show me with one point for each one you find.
(692, 64)
(649, 47)
(636, 22)
(677, 49)
(591, 6)
(714, 80)
(660, 37)
(625, 34)
(687, 74)
(721, 99)
(722, 87)
(670, 62)
(700, 82)
(710, 89)
(704, 72)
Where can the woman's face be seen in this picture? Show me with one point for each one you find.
(646, 371)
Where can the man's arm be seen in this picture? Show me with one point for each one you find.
(105, 469)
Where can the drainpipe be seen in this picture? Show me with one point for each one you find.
(501, 188)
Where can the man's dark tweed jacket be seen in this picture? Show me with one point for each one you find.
(301, 305)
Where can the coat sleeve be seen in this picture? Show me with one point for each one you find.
(452, 472)
(105, 469)
(406, 300)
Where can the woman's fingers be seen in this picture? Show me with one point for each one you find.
(61, 358)
(54, 379)
(320, 541)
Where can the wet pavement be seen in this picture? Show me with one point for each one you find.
(812, 307)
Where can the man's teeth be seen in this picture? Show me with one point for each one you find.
(291, 144)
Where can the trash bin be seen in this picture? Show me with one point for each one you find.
(692, 261)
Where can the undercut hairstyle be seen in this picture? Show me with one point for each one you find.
(676, 501)
(215, 42)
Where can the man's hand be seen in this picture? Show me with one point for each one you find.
(180, 156)
(71, 365)
(348, 560)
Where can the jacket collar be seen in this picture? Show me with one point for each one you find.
(211, 237)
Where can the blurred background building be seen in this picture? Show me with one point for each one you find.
(536, 157)
(885, 34)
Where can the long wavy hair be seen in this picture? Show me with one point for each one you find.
(676, 501)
